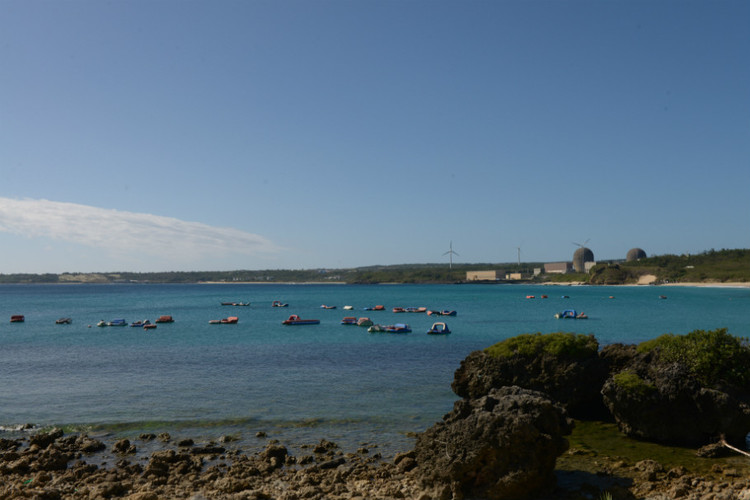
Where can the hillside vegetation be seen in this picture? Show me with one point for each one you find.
(722, 266)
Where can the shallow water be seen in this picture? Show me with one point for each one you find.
(296, 383)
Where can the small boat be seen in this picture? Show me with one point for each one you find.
(571, 314)
(378, 308)
(439, 328)
(376, 329)
(117, 322)
(531, 296)
(398, 328)
(415, 309)
(235, 303)
(138, 324)
(544, 296)
(164, 319)
(17, 318)
(296, 320)
(231, 320)
(149, 326)
(364, 322)
(102, 323)
(277, 303)
(442, 313)
(399, 309)
(63, 321)
(348, 308)
(349, 320)
(327, 307)
(662, 296)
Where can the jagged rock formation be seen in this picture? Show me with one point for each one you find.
(501, 445)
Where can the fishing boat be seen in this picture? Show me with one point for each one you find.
(327, 307)
(349, 320)
(17, 318)
(63, 321)
(138, 324)
(399, 309)
(149, 326)
(235, 303)
(231, 320)
(278, 303)
(444, 312)
(117, 322)
(571, 314)
(164, 319)
(439, 328)
(376, 329)
(398, 328)
(375, 308)
(348, 308)
(102, 323)
(364, 322)
(296, 320)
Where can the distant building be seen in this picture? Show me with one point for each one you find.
(514, 276)
(558, 267)
(580, 257)
(483, 275)
(635, 254)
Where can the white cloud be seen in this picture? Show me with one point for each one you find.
(122, 233)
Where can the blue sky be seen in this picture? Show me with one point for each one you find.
(185, 135)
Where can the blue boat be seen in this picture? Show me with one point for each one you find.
(398, 328)
(439, 328)
(296, 320)
(571, 314)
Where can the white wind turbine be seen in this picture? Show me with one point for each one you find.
(451, 253)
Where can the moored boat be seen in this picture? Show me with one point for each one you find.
(17, 318)
(278, 303)
(571, 314)
(165, 319)
(296, 320)
(235, 303)
(349, 320)
(63, 321)
(327, 307)
(117, 322)
(149, 326)
(376, 329)
(138, 324)
(231, 320)
(364, 322)
(439, 328)
(442, 313)
(398, 328)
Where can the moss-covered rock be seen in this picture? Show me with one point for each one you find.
(690, 389)
(565, 366)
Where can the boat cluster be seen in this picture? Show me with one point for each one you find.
(145, 323)
(438, 328)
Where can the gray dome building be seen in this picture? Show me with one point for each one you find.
(580, 257)
(635, 254)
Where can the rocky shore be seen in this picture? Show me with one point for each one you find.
(50, 465)
(510, 436)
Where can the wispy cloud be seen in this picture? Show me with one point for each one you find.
(120, 233)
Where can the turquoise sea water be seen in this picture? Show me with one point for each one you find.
(296, 383)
